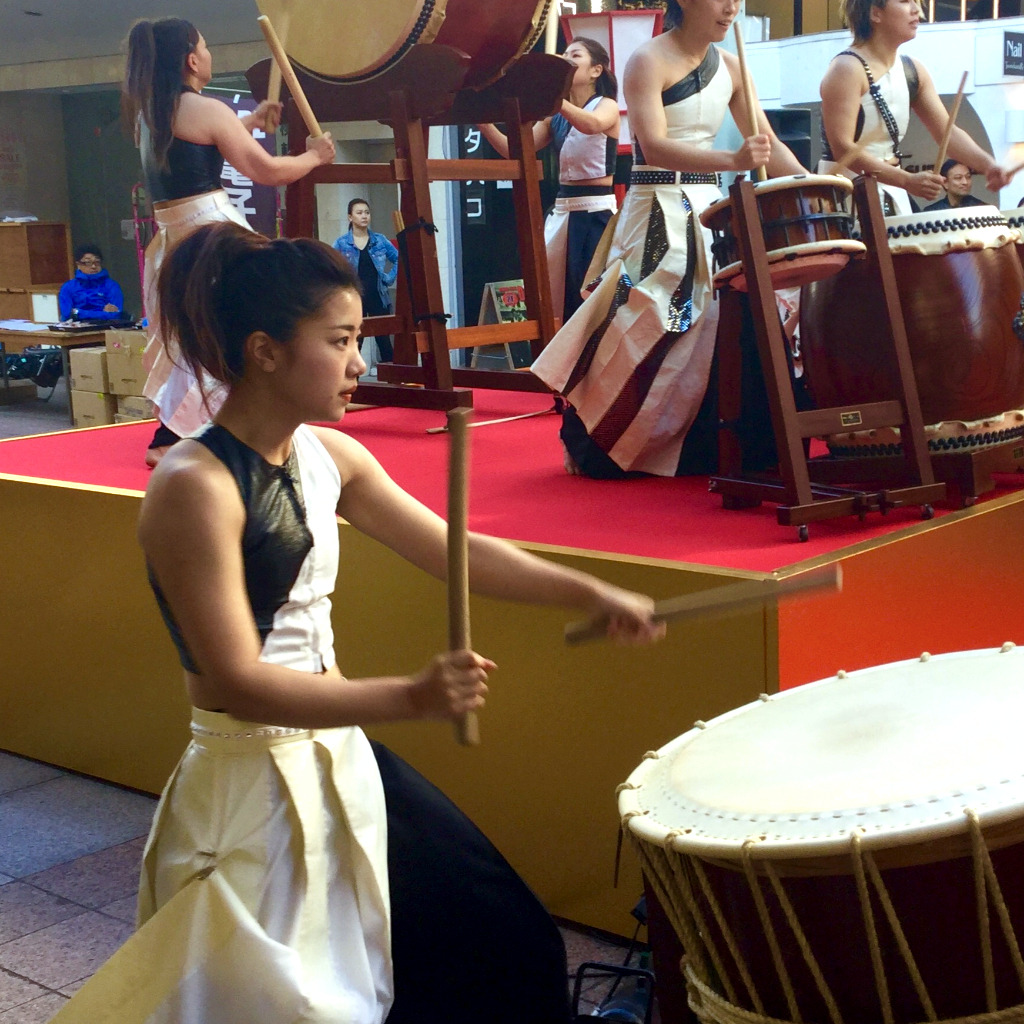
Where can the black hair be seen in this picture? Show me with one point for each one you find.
(223, 283)
(949, 164)
(154, 75)
(353, 203)
(673, 15)
(857, 16)
(605, 85)
(85, 248)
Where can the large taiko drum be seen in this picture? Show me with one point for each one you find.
(960, 285)
(355, 40)
(847, 851)
(808, 231)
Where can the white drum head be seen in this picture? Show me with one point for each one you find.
(896, 752)
(350, 39)
(936, 232)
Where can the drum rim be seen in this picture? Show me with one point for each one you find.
(825, 247)
(785, 181)
(761, 846)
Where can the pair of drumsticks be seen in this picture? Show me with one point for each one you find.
(734, 597)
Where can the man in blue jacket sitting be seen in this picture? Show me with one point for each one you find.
(92, 294)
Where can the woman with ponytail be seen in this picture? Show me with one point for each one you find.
(184, 139)
(634, 362)
(295, 872)
(585, 134)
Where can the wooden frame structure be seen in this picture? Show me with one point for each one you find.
(801, 501)
(421, 90)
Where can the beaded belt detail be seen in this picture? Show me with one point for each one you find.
(263, 732)
(672, 178)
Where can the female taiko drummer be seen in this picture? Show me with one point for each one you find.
(585, 134)
(295, 872)
(868, 93)
(634, 361)
(184, 139)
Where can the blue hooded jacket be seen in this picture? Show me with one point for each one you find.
(85, 295)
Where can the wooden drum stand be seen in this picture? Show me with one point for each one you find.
(425, 88)
(801, 501)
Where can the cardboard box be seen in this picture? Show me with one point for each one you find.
(126, 341)
(89, 370)
(124, 361)
(134, 407)
(92, 409)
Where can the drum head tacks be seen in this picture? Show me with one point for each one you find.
(895, 753)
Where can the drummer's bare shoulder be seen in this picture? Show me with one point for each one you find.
(189, 488)
(204, 120)
(845, 75)
(654, 65)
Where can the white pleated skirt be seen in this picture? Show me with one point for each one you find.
(182, 402)
(264, 891)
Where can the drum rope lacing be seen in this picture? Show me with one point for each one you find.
(673, 879)
(711, 1008)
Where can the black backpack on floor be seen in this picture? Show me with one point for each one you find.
(41, 364)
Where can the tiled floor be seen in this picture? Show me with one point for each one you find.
(69, 865)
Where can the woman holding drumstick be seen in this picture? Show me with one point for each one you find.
(869, 91)
(295, 872)
(634, 362)
(585, 134)
(184, 139)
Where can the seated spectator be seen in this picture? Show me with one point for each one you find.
(956, 180)
(92, 294)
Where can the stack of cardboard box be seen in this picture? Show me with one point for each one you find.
(91, 401)
(124, 366)
(106, 383)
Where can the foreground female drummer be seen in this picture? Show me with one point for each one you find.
(585, 134)
(184, 139)
(868, 93)
(635, 360)
(294, 872)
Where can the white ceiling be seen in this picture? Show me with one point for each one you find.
(97, 28)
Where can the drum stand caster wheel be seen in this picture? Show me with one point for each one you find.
(803, 533)
(927, 512)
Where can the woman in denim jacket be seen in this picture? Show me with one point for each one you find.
(370, 253)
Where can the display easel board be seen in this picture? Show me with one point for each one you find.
(503, 302)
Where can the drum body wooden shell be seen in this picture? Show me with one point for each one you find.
(353, 41)
(807, 230)
(960, 285)
(739, 841)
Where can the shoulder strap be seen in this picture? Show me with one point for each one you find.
(913, 81)
(883, 108)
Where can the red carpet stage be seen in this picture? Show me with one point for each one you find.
(92, 683)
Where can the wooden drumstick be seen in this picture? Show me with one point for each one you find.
(748, 90)
(274, 81)
(289, 76)
(710, 603)
(944, 144)
(551, 30)
(467, 728)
